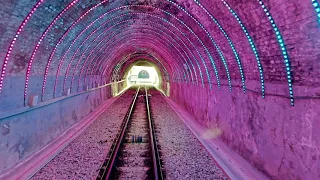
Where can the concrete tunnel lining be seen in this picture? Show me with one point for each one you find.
(250, 67)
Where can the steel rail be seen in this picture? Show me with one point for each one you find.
(109, 164)
(157, 170)
(106, 168)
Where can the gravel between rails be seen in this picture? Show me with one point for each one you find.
(135, 157)
(82, 158)
(183, 156)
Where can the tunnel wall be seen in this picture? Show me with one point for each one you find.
(25, 133)
(271, 45)
(9, 101)
(277, 139)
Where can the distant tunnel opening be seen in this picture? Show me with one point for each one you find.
(249, 68)
(142, 72)
(145, 74)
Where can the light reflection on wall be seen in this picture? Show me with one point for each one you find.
(143, 75)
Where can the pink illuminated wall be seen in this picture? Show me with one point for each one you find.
(224, 58)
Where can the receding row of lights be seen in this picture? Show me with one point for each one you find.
(179, 20)
(21, 27)
(215, 45)
(252, 45)
(279, 38)
(69, 48)
(62, 38)
(283, 49)
(92, 51)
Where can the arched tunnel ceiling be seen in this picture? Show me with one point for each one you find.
(213, 43)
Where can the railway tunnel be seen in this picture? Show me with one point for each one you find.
(242, 75)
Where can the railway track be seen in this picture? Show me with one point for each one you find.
(134, 153)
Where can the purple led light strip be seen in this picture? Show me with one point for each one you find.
(116, 8)
(61, 39)
(181, 55)
(157, 35)
(79, 61)
(65, 34)
(21, 27)
(81, 71)
(93, 61)
(73, 42)
(96, 63)
(125, 7)
(38, 44)
(94, 69)
(84, 42)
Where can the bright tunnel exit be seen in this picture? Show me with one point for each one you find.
(143, 75)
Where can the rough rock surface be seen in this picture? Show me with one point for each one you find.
(279, 140)
(82, 158)
(182, 154)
